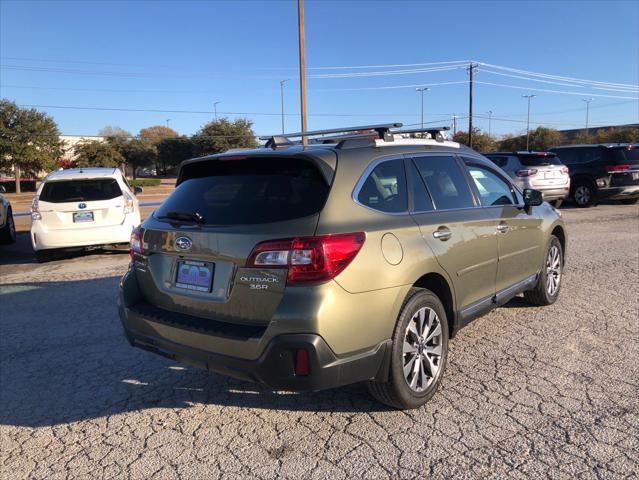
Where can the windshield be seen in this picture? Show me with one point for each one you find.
(249, 191)
(626, 155)
(80, 190)
(538, 160)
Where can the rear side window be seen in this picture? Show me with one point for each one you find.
(385, 188)
(88, 190)
(249, 191)
(445, 181)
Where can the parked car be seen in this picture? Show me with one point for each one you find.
(598, 172)
(311, 268)
(542, 171)
(7, 225)
(82, 208)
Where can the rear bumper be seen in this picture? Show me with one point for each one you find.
(619, 193)
(191, 340)
(555, 193)
(43, 238)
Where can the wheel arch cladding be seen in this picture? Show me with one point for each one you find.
(559, 232)
(440, 287)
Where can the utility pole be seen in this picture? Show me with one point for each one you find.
(422, 90)
(167, 122)
(529, 97)
(471, 69)
(587, 100)
(490, 118)
(282, 82)
(302, 62)
(454, 124)
(215, 109)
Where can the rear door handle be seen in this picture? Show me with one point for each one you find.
(442, 233)
(502, 227)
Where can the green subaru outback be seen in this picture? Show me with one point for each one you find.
(353, 258)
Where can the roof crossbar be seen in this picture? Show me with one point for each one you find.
(382, 130)
(434, 132)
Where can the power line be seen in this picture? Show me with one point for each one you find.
(554, 91)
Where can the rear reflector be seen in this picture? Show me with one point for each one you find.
(308, 259)
(301, 362)
(617, 168)
(135, 245)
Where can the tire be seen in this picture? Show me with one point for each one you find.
(584, 193)
(556, 203)
(553, 267)
(629, 201)
(428, 357)
(8, 232)
(43, 256)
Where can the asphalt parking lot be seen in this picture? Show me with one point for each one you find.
(528, 393)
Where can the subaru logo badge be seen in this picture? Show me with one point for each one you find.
(82, 205)
(182, 244)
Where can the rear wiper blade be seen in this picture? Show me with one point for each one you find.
(184, 216)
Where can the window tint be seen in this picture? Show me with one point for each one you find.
(566, 155)
(538, 161)
(625, 155)
(445, 181)
(249, 191)
(60, 191)
(586, 155)
(421, 198)
(499, 160)
(385, 188)
(493, 190)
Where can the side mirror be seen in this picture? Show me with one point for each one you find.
(2, 189)
(137, 190)
(532, 198)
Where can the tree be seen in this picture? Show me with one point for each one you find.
(616, 135)
(29, 140)
(94, 153)
(222, 135)
(155, 134)
(138, 154)
(111, 131)
(173, 151)
(541, 139)
(482, 142)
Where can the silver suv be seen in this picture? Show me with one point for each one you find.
(541, 171)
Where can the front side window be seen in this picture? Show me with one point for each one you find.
(385, 188)
(492, 189)
(445, 182)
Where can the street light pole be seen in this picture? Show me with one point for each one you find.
(282, 82)
(529, 97)
(422, 90)
(302, 62)
(167, 122)
(490, 118)
(587, 100)
(215, 109)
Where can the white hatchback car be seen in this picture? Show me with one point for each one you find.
(81, 208)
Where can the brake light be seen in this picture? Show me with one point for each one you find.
(135, 245)
(564, 170)
(617, 168)
(129, 206)
(526, 172)
(35, 210)
(308, 259)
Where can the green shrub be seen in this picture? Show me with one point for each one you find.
(145, 182)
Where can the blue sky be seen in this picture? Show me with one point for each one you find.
(186, 55)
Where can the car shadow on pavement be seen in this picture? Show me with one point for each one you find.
(64, 359)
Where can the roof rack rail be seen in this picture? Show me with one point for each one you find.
(434, 132)
(340, 138)
(382, 130)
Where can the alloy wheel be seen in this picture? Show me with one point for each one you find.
(582, 194)
(553, 270)
(422, 349)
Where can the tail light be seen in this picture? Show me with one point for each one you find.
(129, 206)
(526, 172)
(308, 259)
(564, 170)
(617, 168)
(35, 210)
(135, 245)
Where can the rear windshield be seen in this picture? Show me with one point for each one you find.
(625, 155)
(80, 190)
(249, 191)
(536, 161)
